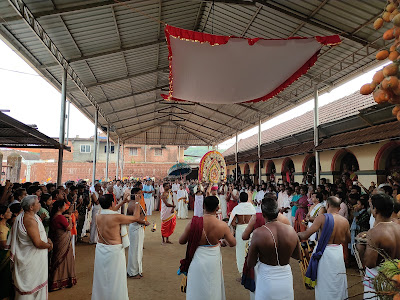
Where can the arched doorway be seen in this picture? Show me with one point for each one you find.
(309, 169)
(343, 162)
(270, 171)
(387, 162)
(287, 170)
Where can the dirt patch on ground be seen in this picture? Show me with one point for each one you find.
(160, 264)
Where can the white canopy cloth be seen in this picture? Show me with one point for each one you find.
(223, 69)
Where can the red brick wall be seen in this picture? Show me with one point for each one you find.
(47, 154)
(169, 154)
(75, 171)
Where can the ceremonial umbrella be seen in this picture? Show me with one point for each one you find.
(179, 170)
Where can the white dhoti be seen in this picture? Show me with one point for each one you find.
(369, 291)
(240, 247)
(182, 209)
(93, 228)
(274, 282)
(135, 254)
(223, 206)
(149, 205)
(331, 275)
(205, 278)
(39, 295)
(109, 278)
(198, 205)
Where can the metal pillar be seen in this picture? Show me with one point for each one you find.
(117, 164)
(69, 109)
(96, 117)
(259, 151)
(122, 162)
(316, 135)
(107, 151)
(62, 127)
(236, 157)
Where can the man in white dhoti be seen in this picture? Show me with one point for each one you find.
(282, 198)
(222, 199)
(148, 191)
(259, 197)
(95, 210)
(239, 218)
(274, 276)
(109, 277)
(286, 208)
(29, 252)
(313, 213)
(385, 235)
(183, 200)
(326, 271)
(136, 238)
(204, 236)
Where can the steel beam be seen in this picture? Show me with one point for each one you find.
(62, 128)
(132, 94)
(127, 77)
(316, 137)
(127, 137)
(236, 156)
(136, 106)
(304, 18)
(69, 10)
(117, 161)
(96, 124)
(308, 17)
(123, 160)
(107, 151)
(259, 151)
(44, 38)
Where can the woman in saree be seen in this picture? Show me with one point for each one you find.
(6, 290)
(302, 210)
(62, 263)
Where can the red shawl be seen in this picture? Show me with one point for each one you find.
(196, 230)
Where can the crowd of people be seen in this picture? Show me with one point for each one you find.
(268, 223)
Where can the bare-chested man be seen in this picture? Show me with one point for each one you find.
(239, 218)
(273, 244)
(385, 235)
(109, 278)
(136, 237)
(204, 273)
(331, 280)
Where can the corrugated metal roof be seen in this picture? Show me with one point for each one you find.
(120, 55)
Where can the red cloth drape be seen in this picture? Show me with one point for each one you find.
(168, 227)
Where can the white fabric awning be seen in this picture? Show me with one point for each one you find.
(208, 68)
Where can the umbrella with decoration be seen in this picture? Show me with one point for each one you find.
(179, 170)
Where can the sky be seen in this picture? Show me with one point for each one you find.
(32, 100)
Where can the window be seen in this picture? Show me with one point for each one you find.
(111, 149)
(157, 152)
(133, 151)
(85, 149)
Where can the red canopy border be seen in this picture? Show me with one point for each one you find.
(215, 40)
